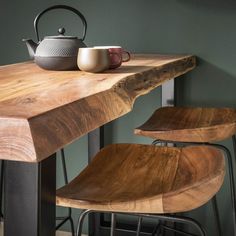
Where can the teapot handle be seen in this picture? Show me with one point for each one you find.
(36, 20)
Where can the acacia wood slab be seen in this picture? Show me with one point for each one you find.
(146, 179)
(42, 111)
(190, 124)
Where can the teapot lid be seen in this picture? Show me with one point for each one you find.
(61, 35)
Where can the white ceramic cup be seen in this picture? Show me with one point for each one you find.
(94, 59)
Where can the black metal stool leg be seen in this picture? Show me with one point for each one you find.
(157, 229)
(163, 231)
(63, 160)
(81, 221)
(217, 216)
(178, 219)
(231, 181)
(234, 145)
(140, 219)
(1, 189)
(72, 226)
(69, 216)
(113, 224)
(66, 182)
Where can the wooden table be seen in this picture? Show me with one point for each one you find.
(42, 111)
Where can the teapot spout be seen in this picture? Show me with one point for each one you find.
(32, 46)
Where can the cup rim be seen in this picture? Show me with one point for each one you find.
(92, 48)
(106, 47)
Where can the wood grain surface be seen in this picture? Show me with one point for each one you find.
(146, 179)
(189, 124)
(42, 111)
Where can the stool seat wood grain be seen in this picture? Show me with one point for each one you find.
(188, 124)
(146, 179)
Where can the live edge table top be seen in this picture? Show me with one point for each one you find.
(42, 111)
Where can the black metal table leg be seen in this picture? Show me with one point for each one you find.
(95, 143)
(168, 96)
(30, 190)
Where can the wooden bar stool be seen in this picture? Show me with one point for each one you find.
(187, 125)
(146, 180)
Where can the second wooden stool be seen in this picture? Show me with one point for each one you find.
(194, 125)
(146, 180)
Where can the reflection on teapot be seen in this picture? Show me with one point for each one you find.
(56, 52)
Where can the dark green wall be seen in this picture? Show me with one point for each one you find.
(205, 28)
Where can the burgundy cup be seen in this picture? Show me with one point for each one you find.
(116, 60)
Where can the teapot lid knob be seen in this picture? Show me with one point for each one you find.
(61, 31)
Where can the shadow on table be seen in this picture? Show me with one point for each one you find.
(128, 69)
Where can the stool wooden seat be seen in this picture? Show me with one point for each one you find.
(146, 179)
(184, 124)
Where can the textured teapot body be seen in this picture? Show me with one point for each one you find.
(56, 52)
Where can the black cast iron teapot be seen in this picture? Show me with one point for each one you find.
(56, 52)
